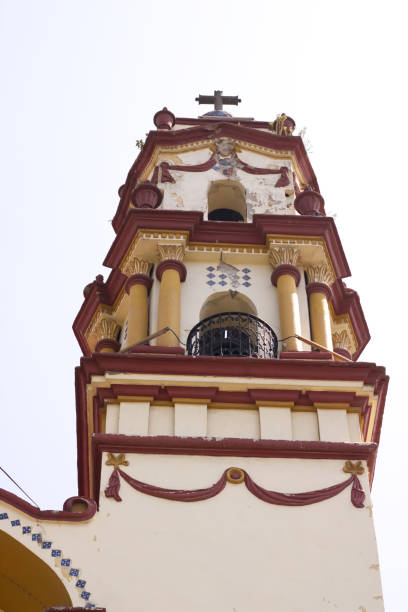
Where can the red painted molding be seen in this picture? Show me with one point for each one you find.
(204, 131)
(226, 447)
(208, 393)
(285, 269)
(319, 288)
(76, 609)
(160, 350)
(237, 476)
(306, 355)
(51, 515)
(139, 279)
(342, 351)
(171, 264)
(347, 301)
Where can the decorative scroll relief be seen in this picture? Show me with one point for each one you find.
(236, 476)
(320, 274)
(170, 251)
(284, 255)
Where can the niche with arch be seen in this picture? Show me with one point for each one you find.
(229, 327)
(226, 201)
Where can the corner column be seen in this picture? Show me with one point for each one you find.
(138, 287)
(171, 272)
(286, 278)
(319, 292)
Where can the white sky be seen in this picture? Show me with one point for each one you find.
(81, 81)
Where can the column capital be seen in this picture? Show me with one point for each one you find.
(341, 343)
(106, 332)
(171, 264)
(320, 273)
(319, 288)
(287, 269)
(139, 279)
(170, 251)
(284, 261)
(284, 255)
(132, 265)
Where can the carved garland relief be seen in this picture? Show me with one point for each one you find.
(236, 475)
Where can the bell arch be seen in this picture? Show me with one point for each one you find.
(226, 201)
(26, 581)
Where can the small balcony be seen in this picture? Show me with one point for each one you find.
(233, 334)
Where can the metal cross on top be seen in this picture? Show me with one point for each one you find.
(218, 100)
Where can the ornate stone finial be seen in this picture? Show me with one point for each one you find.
(133, 265)
(279, 256)
(164, 119)
(283, 125)
(341, 340)
(170, 251)
(319, 274)
(146, 195)
(310, 202)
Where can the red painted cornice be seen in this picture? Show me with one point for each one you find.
(145, 363)
(98, 293)
(235, 233)
(347, 301)
(49, 515)
(204, 131)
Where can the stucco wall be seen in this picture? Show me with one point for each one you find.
(231, 552)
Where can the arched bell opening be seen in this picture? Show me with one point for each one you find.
(227, 201)
(229, 327)
(26, 582)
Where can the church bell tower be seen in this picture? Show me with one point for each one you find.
(227, 428)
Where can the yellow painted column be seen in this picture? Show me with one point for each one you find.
(138, 287)
(286, 278)
(170, 273)
(319, 294)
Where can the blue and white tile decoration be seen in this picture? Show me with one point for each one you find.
(225, 274)
(56, 553)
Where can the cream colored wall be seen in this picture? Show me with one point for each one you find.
(233, 551)
(189, 192)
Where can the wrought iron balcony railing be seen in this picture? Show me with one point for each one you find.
(233, 334)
